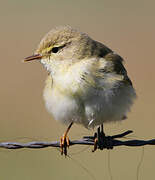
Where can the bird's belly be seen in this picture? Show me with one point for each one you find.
(63, 108)
(108, 106)
(90, 110)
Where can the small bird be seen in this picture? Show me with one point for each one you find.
(87, 83)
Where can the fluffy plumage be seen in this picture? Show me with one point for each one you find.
(87, 82)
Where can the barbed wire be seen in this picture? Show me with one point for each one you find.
(87, 140)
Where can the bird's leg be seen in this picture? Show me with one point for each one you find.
(64, 141)
(101, 138)
(98, 138)
(102, 131)
(101, 141)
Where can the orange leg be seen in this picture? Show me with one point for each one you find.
(101, 141)
(98, 139)
(95, 145)
(64, 141)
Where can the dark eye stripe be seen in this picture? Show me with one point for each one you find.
(56, 49)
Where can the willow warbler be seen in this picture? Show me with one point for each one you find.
(87, 82)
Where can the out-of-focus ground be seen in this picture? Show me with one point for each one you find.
(128, 27)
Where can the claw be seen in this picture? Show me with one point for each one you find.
(64, 144)
(95, 145)
(101, 141)
(64, 141)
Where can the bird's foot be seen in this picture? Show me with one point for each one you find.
(64, 144)
(102, 142)
(64, 141)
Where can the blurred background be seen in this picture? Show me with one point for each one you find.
(128, 28)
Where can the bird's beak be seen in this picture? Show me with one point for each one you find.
(33, 57)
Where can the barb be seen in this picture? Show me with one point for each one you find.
(87, 140)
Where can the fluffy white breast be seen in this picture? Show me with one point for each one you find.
(69, 98)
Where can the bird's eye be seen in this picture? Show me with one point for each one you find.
(55, 50)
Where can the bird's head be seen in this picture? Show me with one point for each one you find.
(63, 45)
